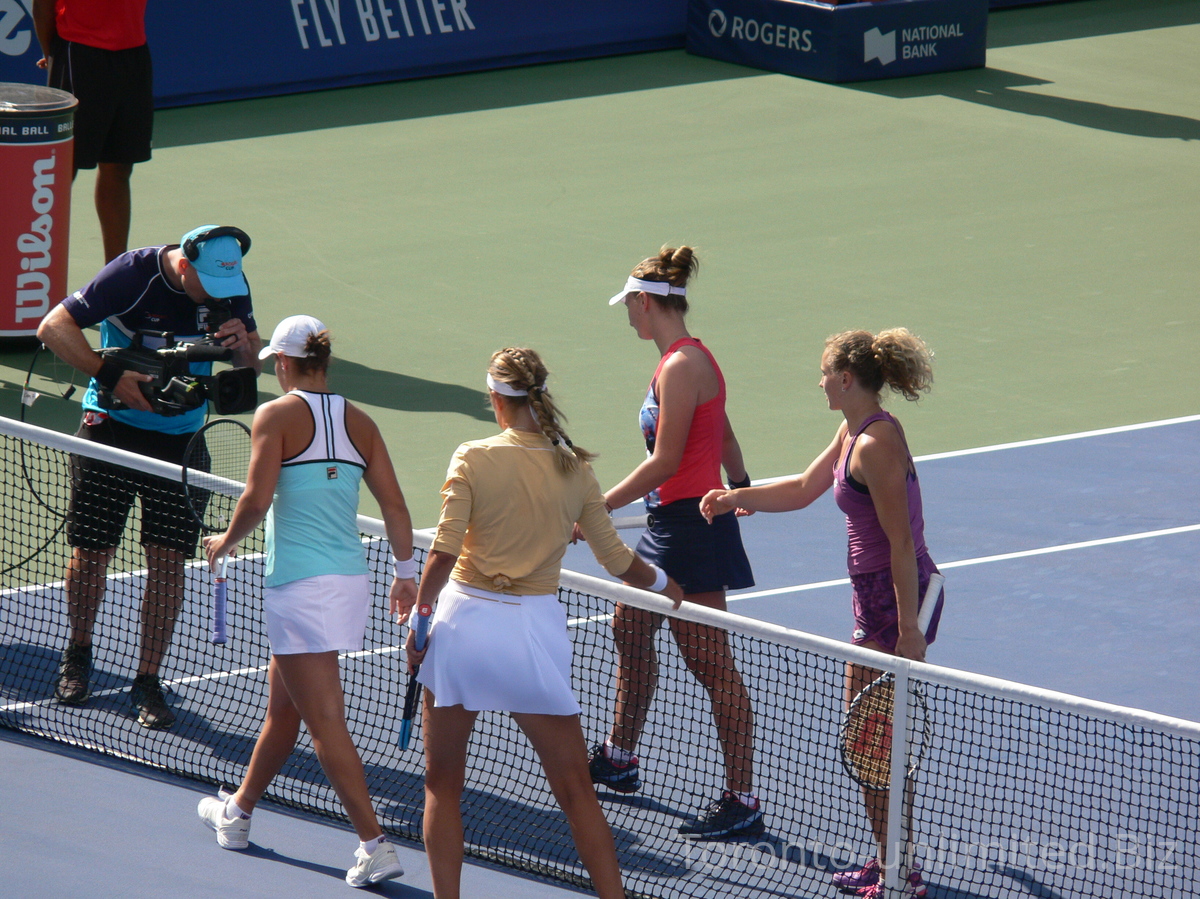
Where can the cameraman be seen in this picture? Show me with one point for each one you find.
(184, 289)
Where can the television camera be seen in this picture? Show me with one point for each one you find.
(173, 389)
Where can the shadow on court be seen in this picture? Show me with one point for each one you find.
(445, 95)
(1086, 18)
(387, 888)
(405, 393)
(999, 89)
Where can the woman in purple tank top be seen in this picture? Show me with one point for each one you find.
(875, 483)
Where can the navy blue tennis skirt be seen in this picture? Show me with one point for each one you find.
(701, 557)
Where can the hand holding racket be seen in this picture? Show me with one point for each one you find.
(215, 467)
(420, 633)
(865, 740)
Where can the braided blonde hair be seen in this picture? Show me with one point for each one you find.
(523, 369)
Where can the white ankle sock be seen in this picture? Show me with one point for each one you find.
(616, 755)
(232, 810)
(370, 846)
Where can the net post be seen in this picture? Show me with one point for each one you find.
(896, 847)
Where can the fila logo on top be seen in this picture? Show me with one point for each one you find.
(877, 45)
(717, 23)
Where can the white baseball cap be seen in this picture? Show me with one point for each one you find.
(290, 337)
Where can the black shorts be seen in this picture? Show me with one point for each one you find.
(102, 493)
(701, 557)
(114, 121)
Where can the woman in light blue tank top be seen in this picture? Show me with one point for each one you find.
(876, 485)
(310, 450)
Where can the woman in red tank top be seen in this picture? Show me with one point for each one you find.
(688, 441)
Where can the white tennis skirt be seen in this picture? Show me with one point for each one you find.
(318, 614)
(498, 652)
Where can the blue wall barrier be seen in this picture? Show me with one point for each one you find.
(227, 49)
(856, 42)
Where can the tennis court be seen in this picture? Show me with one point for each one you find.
(1035, 221)
(1012, 777)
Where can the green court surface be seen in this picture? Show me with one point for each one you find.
(1036, 221)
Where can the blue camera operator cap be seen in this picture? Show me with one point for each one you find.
(217, 260)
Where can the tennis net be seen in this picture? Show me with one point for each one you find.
(1016, 791)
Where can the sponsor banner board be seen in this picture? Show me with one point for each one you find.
(854, 42)
(227, 49)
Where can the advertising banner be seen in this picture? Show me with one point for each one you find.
(37, 131)
(226, 49)
(855, 42)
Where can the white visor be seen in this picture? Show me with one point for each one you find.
(501, 387)
(634, 285)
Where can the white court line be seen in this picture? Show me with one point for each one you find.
(982, 560)
(1039, 441)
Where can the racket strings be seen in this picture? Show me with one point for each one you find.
(216, 466)
(866, 740)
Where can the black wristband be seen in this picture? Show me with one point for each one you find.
(109, 374)
(744, 482)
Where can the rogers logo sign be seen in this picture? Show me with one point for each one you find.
(786, 37)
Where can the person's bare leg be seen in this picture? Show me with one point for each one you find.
(708, 656)
(637, 673)
(161, 603)
(85, 590)
(114, 207)
(558, 741)
(314, 683)
(875, 802)
(275, 743)
(447, 733)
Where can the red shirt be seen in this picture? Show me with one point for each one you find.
(107, 24)
(700, 469)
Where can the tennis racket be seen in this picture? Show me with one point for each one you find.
(865, 740)
(215, 466)
(410, 698)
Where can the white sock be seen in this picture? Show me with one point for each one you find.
(232, 810)
(618, 756)
(370, 846)
(750, 800)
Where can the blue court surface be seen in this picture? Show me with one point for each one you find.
(76, 824)
(1069, 563)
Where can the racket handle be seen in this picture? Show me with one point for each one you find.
(627, 522)
(932, 593)
(424, 612)
(220, 600)
(220, 603)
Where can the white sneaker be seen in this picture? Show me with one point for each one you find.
(380, 865)
(232, 833)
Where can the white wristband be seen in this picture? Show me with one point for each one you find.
(660, 580)
(406, 570)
